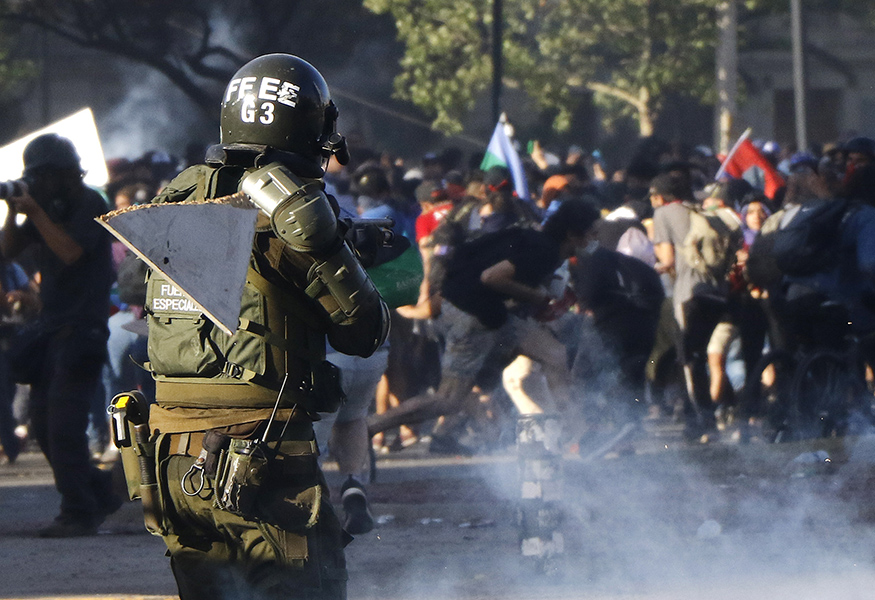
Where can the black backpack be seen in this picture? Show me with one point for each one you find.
(608, 279)
(808, 243)
(131, 279)
(640, 285)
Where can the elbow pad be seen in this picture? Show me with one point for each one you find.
(300, 213)
(303, 218)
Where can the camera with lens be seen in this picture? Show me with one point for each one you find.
(16, 187)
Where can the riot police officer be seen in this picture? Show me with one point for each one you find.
(244, 507)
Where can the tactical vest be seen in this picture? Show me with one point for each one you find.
(197, 365)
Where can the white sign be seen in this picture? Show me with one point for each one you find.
(80, 129)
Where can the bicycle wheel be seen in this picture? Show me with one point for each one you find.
(767, 392)
(829, 395)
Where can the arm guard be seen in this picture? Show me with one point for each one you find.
(302, 217)
(300, 213)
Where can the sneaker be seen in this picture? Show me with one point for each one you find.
(721, 417)
(697, 434)
(408, 438)
(654, 413)
(445, 444)
(358, 518)
(11, 450)
(67, 527)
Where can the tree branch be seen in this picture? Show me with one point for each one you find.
(615, 92)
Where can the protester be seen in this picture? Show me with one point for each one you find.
(622, 297)
(508, 264)
(699, 300)
(19, 303)
(344, 434)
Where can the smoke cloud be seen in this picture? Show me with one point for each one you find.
(153, 115)
(673, 521)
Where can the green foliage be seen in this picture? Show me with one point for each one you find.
(443, 69)
(630, 53)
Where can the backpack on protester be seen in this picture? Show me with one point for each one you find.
(451, 232)
(808, 242)
(607, 278)
(761, 270)
(639, 284)
(711, 243)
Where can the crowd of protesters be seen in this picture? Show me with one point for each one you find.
(584, 298)
(631, 325)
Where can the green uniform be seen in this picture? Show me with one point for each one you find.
(289, 544)
(293, 550)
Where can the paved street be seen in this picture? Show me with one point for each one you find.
(670, 522)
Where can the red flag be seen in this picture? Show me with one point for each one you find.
(746, 157)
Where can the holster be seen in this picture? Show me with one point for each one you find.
(132, 436)
(326, 392)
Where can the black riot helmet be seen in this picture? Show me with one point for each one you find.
(282, 101)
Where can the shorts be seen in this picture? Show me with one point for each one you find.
(470, 343)
(358, 378)
(723, 335)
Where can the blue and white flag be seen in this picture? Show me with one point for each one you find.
(501, 152)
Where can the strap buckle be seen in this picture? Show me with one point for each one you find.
(233, 370)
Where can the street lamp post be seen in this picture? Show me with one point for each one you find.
(727, 71)
(798, 38)
(497, 57)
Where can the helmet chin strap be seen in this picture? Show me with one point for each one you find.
(333, 144)
(336, 147)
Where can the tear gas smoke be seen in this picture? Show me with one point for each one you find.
(154, 115)
(671, 522)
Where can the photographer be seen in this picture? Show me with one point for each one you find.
(64, 355)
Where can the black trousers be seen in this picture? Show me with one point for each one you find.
(59, 405)
(701, 315)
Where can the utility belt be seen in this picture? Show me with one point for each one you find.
(233, 469)
(236, 469)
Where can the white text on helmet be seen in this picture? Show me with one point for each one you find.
(269, 88)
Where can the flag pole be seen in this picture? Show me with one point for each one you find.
(732, 151)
